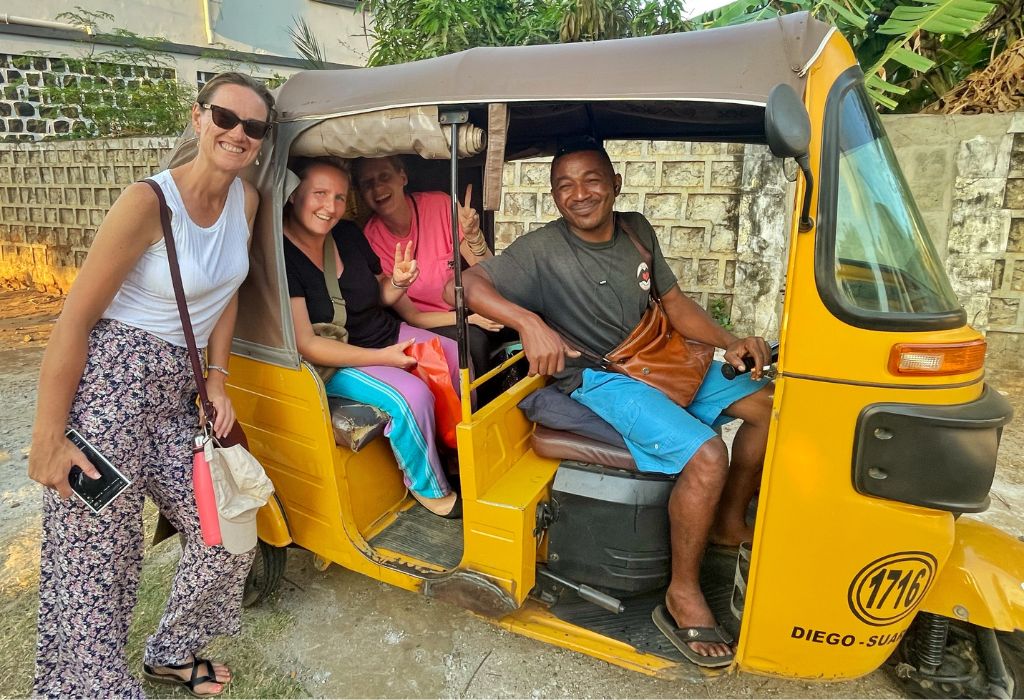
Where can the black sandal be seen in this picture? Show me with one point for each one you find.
(194, 680)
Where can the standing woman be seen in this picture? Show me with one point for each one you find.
(117, 370)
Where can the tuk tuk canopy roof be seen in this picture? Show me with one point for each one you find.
(731, 65)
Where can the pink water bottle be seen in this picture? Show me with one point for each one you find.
(206, 501)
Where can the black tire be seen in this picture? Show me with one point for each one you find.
(1011, 644)
(266, 573)
(962, 657)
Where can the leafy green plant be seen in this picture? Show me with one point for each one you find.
(128, 90)
(719, 309)
(306, 43)
(410, 30)
(912, 51)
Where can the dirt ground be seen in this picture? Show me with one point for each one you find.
(339, 634)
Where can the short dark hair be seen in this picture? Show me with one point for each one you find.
(582, 144)
(234, 78)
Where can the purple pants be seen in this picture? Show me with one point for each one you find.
(409, 402)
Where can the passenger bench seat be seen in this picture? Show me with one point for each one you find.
(563, 445)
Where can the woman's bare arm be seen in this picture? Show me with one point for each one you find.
(333, 353)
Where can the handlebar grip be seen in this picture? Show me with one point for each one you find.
(730, 372)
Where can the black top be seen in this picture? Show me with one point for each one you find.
(370, 325)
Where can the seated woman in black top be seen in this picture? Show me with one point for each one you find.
(373, 364)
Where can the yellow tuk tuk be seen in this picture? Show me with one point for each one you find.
(880, 440)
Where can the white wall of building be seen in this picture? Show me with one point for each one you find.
(257, 26)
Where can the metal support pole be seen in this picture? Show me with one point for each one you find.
(454, 118)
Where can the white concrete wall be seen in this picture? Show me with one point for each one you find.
(259, 26)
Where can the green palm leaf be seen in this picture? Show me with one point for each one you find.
(937, 16)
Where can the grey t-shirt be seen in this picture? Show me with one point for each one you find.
(593, 293)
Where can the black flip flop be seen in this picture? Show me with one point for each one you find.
(456, 512)
(194, 680)
(682, 637)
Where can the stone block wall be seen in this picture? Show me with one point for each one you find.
(27, 115)
(967, 175)
(690, 192)
(53, 197)
(1006, 315)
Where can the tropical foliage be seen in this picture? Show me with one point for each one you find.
(913, 51)
(410, 30)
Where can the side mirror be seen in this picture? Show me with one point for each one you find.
(787, 129)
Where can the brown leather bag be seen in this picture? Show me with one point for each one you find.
(654, 353)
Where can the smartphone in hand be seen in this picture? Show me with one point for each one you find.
(95, 493)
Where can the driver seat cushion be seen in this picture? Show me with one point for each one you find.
(563, 445)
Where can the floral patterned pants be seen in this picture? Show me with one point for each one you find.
(136, 405)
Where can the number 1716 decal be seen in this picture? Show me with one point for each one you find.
(889, 588)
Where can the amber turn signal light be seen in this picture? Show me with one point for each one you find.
(933, 359)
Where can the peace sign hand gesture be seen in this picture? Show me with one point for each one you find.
(469, 220)
(405, 271)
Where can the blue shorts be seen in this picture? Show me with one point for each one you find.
(661, 435)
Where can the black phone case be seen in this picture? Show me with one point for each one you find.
(95, 493)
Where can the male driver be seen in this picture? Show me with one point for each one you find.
(583, 275)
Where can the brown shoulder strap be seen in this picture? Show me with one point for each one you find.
(644, 253)
(179, 297)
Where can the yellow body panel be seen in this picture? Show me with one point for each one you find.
(284, 413)
(271, 524)
(816, 536)
(502, 483)
(983, 580)
(534, 621)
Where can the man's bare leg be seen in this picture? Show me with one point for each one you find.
(748, 450)
(691, 509)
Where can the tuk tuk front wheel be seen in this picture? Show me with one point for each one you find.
(944, 658)
(266, 572)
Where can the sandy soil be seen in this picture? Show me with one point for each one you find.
(340, 634)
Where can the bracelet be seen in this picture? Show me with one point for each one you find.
(218, 368)
(480, 250)
(396, 286)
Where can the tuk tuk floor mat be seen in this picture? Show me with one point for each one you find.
(635, 627)
(420, 534)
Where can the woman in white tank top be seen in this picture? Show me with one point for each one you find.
(117, 371)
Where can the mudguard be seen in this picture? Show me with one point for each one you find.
(271, 525)
(983, 579)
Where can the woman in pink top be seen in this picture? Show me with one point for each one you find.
(424, 219)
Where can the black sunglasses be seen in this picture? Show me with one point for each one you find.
(226, 119)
